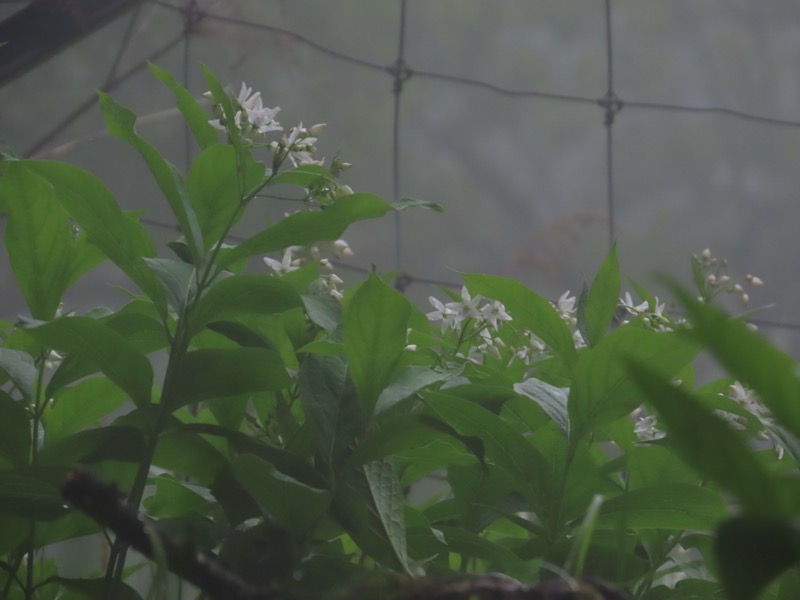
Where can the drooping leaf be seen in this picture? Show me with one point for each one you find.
(243, 296)
(38, 238)
(374, 326)
(112, 442)
(329, 404)
(109, 351)
(552, 399)
(665, 506)
(303, 228)
(752, 551)
(324, 310)
(707, 443)
(175, 498)
(80, 406)
(178, 278)
(387, 496)
(409, 381)
(19, 367)
(121, 238)
(225, 372)
(196, 117)
(121, 123)
(602, 390)
(602, 299)
(529, 310)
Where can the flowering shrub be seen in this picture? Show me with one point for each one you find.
(304, 438)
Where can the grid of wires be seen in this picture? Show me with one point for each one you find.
(399, 72)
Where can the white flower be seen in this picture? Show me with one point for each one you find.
(748, 399)
(467, 308)
(341, 248)
(442, 313)
(646, 430)
(252, 116)
(286, 265)
(299, 145)
(566, 304)
(634, 309)
(494, 312)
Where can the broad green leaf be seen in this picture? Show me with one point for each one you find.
(178, 278)
(243, 296)
(15, 432)
(121, 238)
(552, 400)
(80, 406)
(408, 382)
(305, 176)
(225, 372)
(504, 446)
(665, 506)
(112, 442)
(38, 238)
(387, 496)
(752, 551)
(750, 358)
(529, 310)
(374, 326)
(85, 256)
(108, 350)
(324, 310)
(707, 443)
(602, 390)
(266, 331)
(303, 228)
(121, 122)
(652, 464)
(195, 115)
(20, 368)
(289, 502)
(329, 404)
(32, 492)
(217, 185)
(602, 299)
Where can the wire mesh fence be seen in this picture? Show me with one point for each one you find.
(549, 130)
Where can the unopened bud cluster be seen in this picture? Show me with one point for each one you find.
(712, 279)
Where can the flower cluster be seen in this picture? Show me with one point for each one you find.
(253, 121)
(646, 426)
(652, 314)
(751, 403)
(295, 257)
(711, 278)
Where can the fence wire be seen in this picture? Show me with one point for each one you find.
(399, 71)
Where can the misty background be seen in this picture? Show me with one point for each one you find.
(544, 128)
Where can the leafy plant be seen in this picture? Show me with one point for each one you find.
(301, 437)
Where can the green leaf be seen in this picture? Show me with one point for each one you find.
(15, 432)
(469, 544)
(405, 203)
(602, 390)
(387, 496)
(374, 326)
(665, 506)
(750, 358)
(529, 310)
(185, 452)
(303, 228)
(92, 588)
(243, 296)
(178, 278)
(602, 299)
(225, 372)
(305, 176)
(38, 238)
(552, 400)
(324, 310)
(196, 117)
(20, 368)
(174, 498)
(408, 382)
(707, 443)
(291, 503)
(504, 446)
(80, 406)
(121, 238)
(32, 492)
(108, 350)
(217, 184)
(120, 123)
(112, 442)
(329, 404)
(752, 551)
